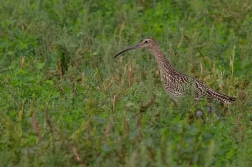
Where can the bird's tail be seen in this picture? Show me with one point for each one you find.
(221, 97)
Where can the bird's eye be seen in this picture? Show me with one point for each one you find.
(146, 41)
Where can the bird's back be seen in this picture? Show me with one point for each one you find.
(178, 85)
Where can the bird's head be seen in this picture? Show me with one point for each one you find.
(147, 43)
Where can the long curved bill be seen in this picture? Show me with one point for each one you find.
(130, 48)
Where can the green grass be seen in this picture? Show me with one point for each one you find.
(65, 101)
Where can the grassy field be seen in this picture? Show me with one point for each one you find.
(65, 101)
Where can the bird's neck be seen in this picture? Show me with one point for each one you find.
(164, 65)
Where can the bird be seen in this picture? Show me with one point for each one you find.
(176, 84)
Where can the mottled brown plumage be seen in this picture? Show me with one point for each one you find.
(178, 84)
